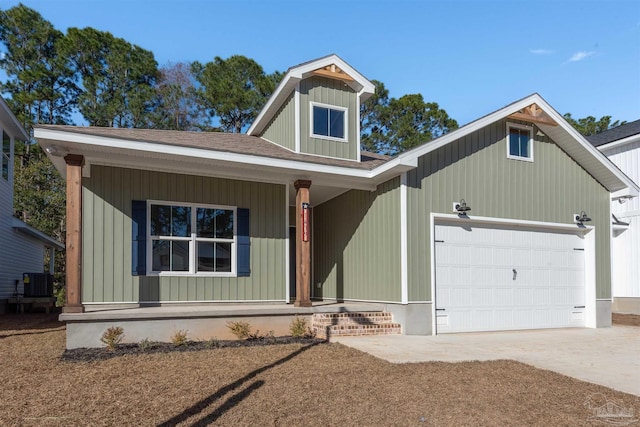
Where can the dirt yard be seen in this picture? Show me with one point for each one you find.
(278, 385)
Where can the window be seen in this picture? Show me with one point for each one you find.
(328, 122)
(519, 142)
(192, 239)
(6, 155)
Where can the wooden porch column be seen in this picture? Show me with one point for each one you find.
(303, 248)
(75, 163)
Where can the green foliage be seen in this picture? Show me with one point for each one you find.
(117, 77)
(39, 200)
(112, 337)
(391, 126)
(373, 114)
(145, 345)
(41, 87)
(60, 292)
(234, 90)
(213, 343)
(179, 338)
(270, 336)
(240, 329)
(590, 125)
(298, 327)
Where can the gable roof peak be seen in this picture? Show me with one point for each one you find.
(331, 66)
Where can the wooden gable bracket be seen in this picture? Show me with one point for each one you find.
(333, 72)
(533, 114)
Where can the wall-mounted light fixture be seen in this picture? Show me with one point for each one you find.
(54, 151)
(461, 207)
(581, 218)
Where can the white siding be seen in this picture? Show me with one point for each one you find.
(18, 253)
(626, 244)
(627, 158)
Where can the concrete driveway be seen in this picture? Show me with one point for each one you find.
(605, 356)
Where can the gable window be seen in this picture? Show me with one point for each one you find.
(191, 239)
(328, 122)
(6, 155)
(519, 142)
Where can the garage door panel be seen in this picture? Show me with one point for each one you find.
(476, 288)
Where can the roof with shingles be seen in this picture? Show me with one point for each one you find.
(239, 143)
(615, 134)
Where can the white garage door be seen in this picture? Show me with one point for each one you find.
(495, 278)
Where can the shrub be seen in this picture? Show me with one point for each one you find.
(298, 327)
(112, 337)
(212, 343)
(145, 345)
(258, 336)
(179, 338)
(241, 329)
(60, 294)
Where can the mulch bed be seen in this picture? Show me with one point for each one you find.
(151, 347)
(293, 384)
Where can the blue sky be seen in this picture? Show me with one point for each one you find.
(471, 57)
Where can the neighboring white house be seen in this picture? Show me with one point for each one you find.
(622, 145)
(22, 247)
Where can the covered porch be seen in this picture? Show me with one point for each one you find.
(200, 321)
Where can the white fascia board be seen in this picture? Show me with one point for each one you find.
(420, 151)
(303, 70)
(503, 113)
(625, 193)
(34, 232)
(620, 142)
(294, 76)
(602, 159)
(11, 122)
(266, 114)
(82, 143)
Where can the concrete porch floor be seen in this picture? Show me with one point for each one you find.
(168, 311)
(605, 356)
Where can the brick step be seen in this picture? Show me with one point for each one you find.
(352, 318)
(352, 321)
(327, 325)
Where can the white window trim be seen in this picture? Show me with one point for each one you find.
(332, 107)
(193, 239)
(521, 127)
(8, 155)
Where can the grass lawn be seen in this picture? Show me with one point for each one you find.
(279, 385)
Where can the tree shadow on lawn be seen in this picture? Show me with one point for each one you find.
(232, 401)
(15, 323)
(48, 331)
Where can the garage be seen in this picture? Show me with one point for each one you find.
(494, 277)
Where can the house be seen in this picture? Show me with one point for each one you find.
(501, 224)
(22, 247)
(622, 146)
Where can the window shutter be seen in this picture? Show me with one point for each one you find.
(244, 243)
(138, 237)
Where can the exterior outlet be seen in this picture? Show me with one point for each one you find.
(575, 218)
(453, 209)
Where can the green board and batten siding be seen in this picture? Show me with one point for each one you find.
(356, 249)
(106, 268)
(331, 92)
(281, 129)
(476, 168)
